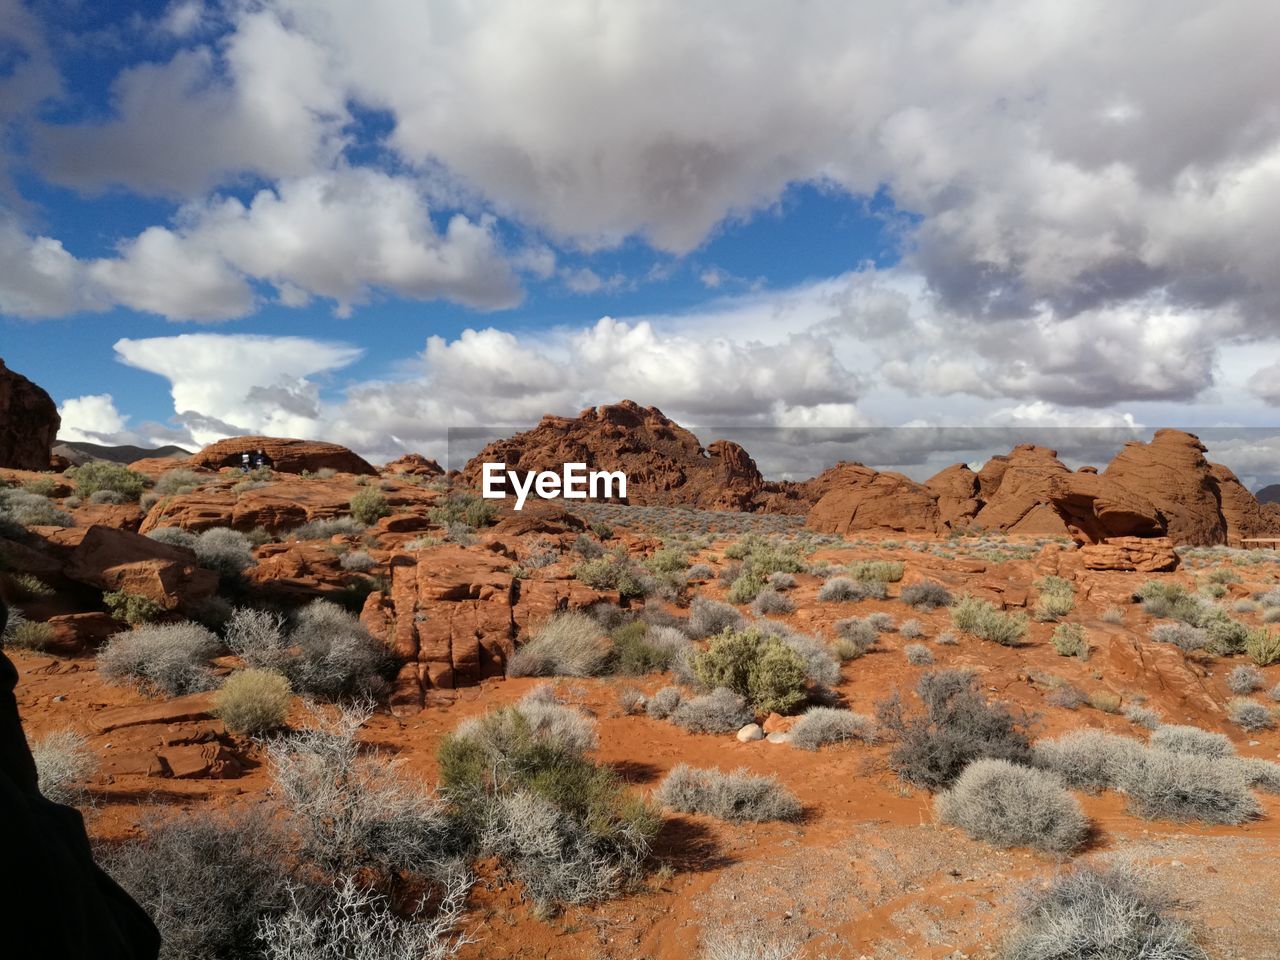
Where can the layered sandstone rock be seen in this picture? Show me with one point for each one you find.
(112, 559)
(664, 463)
(1172, 472)
(956, 488)
(414, 465)
(858, 498)
(286, 455)
(1242, 515)
(1015, 492)
(29, 422)
(1137, 554)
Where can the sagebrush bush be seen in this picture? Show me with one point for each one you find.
(1055, 599)
(917, 654)
(708, 618)
(881, 571)
(174, 537)
(747, 945)
(172, 658)
(1184, 786)
(1249, 715)
(569, 644)
(1183, 636)
(700, 571)
(1180, 738)
(1141, 716)
(333, 655)
(1092, 914)
(1013, 806)
(1087, 759)
(1244, 679)
(1112, 615)
(1069, 640)
(819, 726)
(178, 481)
(985, 621)
(663, 703)
(856, 637)
(925, 595)
(769, 601)
(911, 629)
(738, 796)
(224, 550)
(99, 475)
(956, 727)
(634, 651)
(368, 506)
(64, 764)
(327, 528)
(782, 580)
(19, 510)
(841, 590)
(357, 561)
(756, 665)
(614, 572)
(720, 711)
(28, 634)
(745, 588)
(253, 701)
(1170, 600)
(132, 608)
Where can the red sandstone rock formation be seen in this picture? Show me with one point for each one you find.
(664, 463)
(287, 456)
(1140, 554)
(1242, 515)
(858, 498)
(29, 422)
(1173, 474)
(414, 464)
(956, 488)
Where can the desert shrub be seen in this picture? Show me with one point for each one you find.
(589, 548)
(568, 644)
(19, 510)
(174, 537)
(327, 528)
(708, 618)
(357, 561)
(132, 607)
(28, 634)
(1066, 695)
(925, 595)
(631, 701)
(911, 629)
(1088, 759)
(769, 601)
(882, 571)
(956, 727)
(172, 658)
(667, 560)
(1107, 915)
(818, 726)
(1263, 647)
(253, 701)
(1105, 700)
(1141, 716)
(720, 711)
(64, 763)
(333, 655)
(700, 571)
(639, 648)
(1226, 636)
(663, 703)
(947, 638)
(745, 588)
(1069, 641)
(782, 580)
(1249, 714)
(985, 621)
(883, 622)
(1013, 806)
(747, 945)
(206, 881)
(1274, 692)
(566, 827)
(1184, 786)
(1186, 638)
(855, 637)
(760, 667)
(101, 498)
(1178, 738)
(27, 586)
(1259, 774)
(350, 922)
(614, 572)
(841, 590)
(917, 654)
(369, 506)
(1244, 679)
(1112, 615)
(350, 809)
(178, 481)
(224, 550)
(1170, 600)
(1055, 600)
(100, 475)
(466, 508)
(738, 796)
(40, 486)
(1222, 575)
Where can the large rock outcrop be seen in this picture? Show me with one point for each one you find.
(858, 498)
(287, 455)
(29, 422)
(1242, 515)
(664, 463)
(1172, 472)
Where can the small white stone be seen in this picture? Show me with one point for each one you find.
(779, 737)
(750, 733)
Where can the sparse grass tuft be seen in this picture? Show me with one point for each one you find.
(985, 621)
(569, 644)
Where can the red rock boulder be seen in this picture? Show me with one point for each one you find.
(1137, 554)
(111, 559)
(859, 498)
(286, 455)
(1172, 472)
(29, 422)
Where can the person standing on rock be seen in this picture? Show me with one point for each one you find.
(57, 901)
(244, 461)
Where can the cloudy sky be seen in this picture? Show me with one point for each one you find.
(372, 221)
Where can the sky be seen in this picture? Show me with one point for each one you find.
(903, 231)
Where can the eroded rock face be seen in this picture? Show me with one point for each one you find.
(1016, 492)
(1096, 508)
(664, 463)
(1242, 515)
(415, 465)
(1172, 472)
(287, 455)
(112, 559)
(1136, 554)
(29, 422)
(858, 498)
(956, 488)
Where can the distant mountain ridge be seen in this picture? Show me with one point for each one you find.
(79, 451)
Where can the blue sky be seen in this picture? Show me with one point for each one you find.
(372, 222)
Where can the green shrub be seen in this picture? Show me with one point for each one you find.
(465, 508)
(1263, 647)
(369, 506)
(985, 621)
(99, 475)
(178, 481)
(613, 572)
(1013, 806)
(761, 668)
(956, 727)
(27, 586)
(40, 486)
(30, 635)
(738, 797)
(745, 588)
(1055, 600)
(881, 571)
(633, 652)
(253, 701)
(132, 607)
(668, 560)
(568, 644)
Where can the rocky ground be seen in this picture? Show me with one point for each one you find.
(866, 872)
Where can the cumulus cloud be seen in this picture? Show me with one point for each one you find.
(92, 419)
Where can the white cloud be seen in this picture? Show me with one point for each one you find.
(92, 419)
(38, 277)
